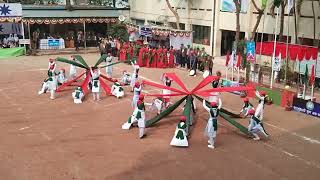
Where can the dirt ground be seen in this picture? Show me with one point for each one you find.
(43, 139)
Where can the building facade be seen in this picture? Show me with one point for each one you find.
(213, 22)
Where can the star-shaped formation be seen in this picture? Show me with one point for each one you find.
(1, 28)
(5, 9)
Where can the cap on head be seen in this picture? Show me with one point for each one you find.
(213, 104)
(218, 73)
(141, 97)
(137, 84)
(251, 112)
(262, 93)
(51, 60)
(183, 118)
(63, 70)
(245, 99)
(79, 88)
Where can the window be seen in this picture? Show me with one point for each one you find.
(174, 25)
(201, 34)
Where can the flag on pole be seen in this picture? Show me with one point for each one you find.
(312, 77)
(306, 76)
(227, 58)
(290, 5)
(239, 60)
(264, 4)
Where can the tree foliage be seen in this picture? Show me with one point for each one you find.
(118, 30)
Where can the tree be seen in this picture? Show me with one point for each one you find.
(260, 13)
(119, 30)
(277, 3)
(175, 13)
(238, 9)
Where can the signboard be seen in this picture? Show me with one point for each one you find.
(10, 10)
(53, 42)
(277, 63)
(251, 51)
(229, 6)
(307, 107)
(24, 41)
(145, 31)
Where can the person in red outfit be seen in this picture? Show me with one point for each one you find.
(123, 53)
(141, 56)
(165, 57)
(160, 57)
(155, 58)
(171, 57)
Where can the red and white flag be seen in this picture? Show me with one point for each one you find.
(312, 76)
(227, 59)
(239, 60)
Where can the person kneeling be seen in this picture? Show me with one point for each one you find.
(78, 95)
(50, 84)
(256, 126)
(117, 90)
(180, 135)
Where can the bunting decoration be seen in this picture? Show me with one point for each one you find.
(161, 32)
(68, 20)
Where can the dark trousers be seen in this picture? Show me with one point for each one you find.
(183, 62)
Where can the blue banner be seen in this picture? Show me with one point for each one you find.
(307, 107)
(53, 42)
(251, 51)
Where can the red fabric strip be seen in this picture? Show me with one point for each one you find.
(224, 89)
(85, 83)
(162, 86)
(105, 87)
(163, 95)
(108, 79)
(175, 78)
(204, 82)
(69, 82)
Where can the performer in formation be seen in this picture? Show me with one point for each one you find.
(134, 76)
(215, 96)
(167, 82)
(126, 78)
(136, 93)
(180, 134)
(73, 69)
(256, 126)
(212, 125)
(50, 83)
(140, 116)
(95, 83)
(246, 107)
(160, 104)
(262, 100)
(109, 67)
(117, 90)
(78, 95)
(52, 66)
(62, 76)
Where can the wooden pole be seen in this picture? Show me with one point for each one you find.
(84, 36)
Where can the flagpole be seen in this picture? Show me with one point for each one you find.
(232, 67)
(264, 17)
(287, 49)
(315, 69)
(274, 47)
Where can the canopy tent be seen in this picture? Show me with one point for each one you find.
(296, 51)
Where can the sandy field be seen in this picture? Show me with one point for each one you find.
(43, 139)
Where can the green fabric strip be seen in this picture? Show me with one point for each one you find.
(71, 62)
(187, 111)
(165, 113)
(100, 60)
(81, 60)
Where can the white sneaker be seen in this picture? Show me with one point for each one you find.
(52, 98)
(208, 142)
(210, 146)
(256, 138)
(40, 92)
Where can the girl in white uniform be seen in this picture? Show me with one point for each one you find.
(246, 107)
(167, 82)
(140, 116)
(262, 98)
(73, 69)
(62, 76)
(134, 76)
(50, 84)
(256, 126)
(95, 83)
(136, 92)
(212, 125)
(109, 68)
(117, 90)
(78, 95)
(180, 134)
(52, 65)
(126, 78)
